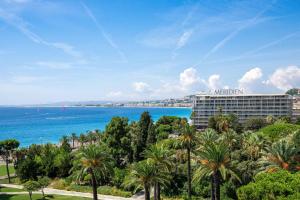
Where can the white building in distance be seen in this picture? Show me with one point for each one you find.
(244, 106)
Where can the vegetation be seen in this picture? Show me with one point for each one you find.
(7, 147)
(3, 171)
(257, 160)
(31, 186)
(39, 197)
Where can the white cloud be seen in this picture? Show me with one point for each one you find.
(141, 87)
(184, 38)
(189, 77)
(285, 78)
(214, 82)
(250, 79)
(22, 26)
(106, 36)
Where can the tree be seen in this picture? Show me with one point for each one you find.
(82, 139)
(293, 91)
(117, 138)
(6, 149)
(187, 139)
(254, 124)
(277, 185)
(44, 182)
(64, 144)
(144, 124)
(93, 159)
(73, 138)
(279, 155)
(143, 174)
(152, 136)
(160, 155)
(31, 186)
(28, 169)
(214, 162)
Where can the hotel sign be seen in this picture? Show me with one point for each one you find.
(226, 92)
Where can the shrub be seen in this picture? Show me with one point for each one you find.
(60, 184)
(277, 131)
(281, 184)
(118, 178)
(31, 186)
(108, 190)
(254, 124)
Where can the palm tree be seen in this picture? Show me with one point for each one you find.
(253, 146)
(279, 155)
(160, 155)
(187, 139)
(208, 135)
(82, 139)
(214, 161)
(143, 174)
(73, 137)
(93, 159)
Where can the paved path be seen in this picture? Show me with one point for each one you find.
(5, 177)
(68, 193)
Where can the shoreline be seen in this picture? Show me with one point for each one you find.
(183, 107)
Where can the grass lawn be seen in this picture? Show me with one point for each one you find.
(5, 189)
(40, 197)
(3, 170)
(13, 181)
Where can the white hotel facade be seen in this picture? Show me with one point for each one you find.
(245, 106)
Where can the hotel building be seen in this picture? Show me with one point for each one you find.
(245, 106)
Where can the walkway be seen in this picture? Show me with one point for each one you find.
(68, 193)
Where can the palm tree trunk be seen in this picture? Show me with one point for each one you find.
(216, 178)
(155, 191)
(147, 192)
(158, 191)
(94, 184)
(7, 170)
(189, 173)
(212, 188)
(73, 141)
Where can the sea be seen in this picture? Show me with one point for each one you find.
(40, 125)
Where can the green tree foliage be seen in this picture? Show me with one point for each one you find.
(214, 162)
(160, 155)
(144, 125)
(276, 131)
(31, 186)
(222, 123)
(293, 91)
(93, 160)
(187, 140)
(280, 155)
(254, 124)
(145, 174)
(44, 182)
(73, 138)
(117, 138)
(6, 151)
(278, 185)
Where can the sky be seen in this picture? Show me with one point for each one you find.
(124, 50)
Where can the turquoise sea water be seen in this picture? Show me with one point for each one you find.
(42, 125)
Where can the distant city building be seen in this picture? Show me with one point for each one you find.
(245, 106)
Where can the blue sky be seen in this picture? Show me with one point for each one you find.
(69, 50)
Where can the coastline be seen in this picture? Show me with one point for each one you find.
(177, 107)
